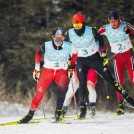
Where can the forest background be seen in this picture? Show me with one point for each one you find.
(27, 24)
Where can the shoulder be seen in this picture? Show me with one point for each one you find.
(128, 24)
(67, 43)
(71, 29)
(89, 28)
(102, 29)
(48, 42)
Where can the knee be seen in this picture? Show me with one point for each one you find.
(90, 85)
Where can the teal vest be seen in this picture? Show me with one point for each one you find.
(118, 39)
(56, 59)
(85, 44)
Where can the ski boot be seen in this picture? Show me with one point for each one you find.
(83, 111)
(120, 111)
(27, 118)
(59, 112)
(64, 110)
(92, 111)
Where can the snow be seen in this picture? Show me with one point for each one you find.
(102, 124)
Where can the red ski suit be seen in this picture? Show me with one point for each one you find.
(59, 75)
(121, 60)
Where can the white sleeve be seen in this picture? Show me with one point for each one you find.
(73, 50)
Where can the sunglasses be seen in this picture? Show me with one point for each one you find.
(78, 25)
(111, 21)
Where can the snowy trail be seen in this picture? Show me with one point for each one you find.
(100, 125)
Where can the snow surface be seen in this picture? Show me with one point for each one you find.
(102, 124)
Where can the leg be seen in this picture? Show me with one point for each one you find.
(91, 82)
(119, 75)
(82, 71)
(72, 86)
(61, 80)
(105, 73)
(130, 68)
(82, 76)
(44, 81)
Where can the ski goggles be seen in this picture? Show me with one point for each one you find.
(111, 21)
(78, 25)
(59, 39)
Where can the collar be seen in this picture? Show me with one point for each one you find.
(57, 48)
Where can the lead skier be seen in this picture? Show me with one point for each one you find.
(56, 54)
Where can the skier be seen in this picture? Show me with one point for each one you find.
(74, 85)
(56, 54)
(117, 33)
(83, 38)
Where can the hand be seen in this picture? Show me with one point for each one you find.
(127, 30)
(105, 61)
(102, 54)
(70, 73)
(36, 74)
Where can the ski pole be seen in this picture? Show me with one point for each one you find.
(42, 104)
(108, 97)
(113, 56)
(74, 95)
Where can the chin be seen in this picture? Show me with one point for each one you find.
(59, 44)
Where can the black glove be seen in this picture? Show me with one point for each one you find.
(127, 30)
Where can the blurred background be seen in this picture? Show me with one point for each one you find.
(27, 24)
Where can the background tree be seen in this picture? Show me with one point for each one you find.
(26, 24)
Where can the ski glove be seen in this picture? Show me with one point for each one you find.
(102, 54)
(127, 30)
(36, 74)
(105, 61)
(70, 71)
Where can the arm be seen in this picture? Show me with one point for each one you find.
(74, 53)
(39, 51)
(36, 73)
(102, 30)
(129, 29)
(72, 60)
(67, 36)
(99, 38)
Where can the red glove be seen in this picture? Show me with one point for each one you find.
(36, 74)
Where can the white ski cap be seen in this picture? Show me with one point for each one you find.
(58, 31)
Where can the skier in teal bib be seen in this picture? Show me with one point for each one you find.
(117, 33)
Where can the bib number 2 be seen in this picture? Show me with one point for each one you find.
(120, 47)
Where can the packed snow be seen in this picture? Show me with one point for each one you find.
(102, 124)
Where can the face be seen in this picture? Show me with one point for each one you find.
(58, 40)
(114, 23)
